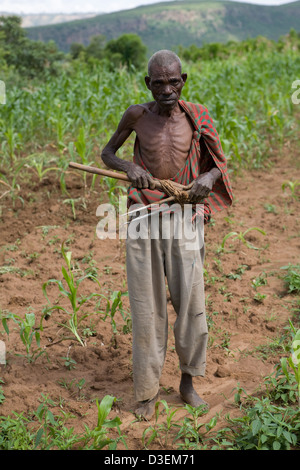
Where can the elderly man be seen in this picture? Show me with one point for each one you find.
(175, 141)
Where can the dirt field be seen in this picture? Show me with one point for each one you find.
(242, 329)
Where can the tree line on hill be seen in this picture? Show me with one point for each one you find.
(32, 58)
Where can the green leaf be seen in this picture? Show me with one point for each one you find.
(279, 431)
(230, 234)
(283, 361)
(255, 228)
(68, 279)
(5, 326)
(113, 423)
(102, 443)
(38, 437)
(104, 409)
(264, 438)
(38, 338)
(288, 436)
(276, 445)
(68, 258)
(30, 318)
(51, 417)
(256, 426)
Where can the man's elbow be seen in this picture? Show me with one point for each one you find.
(105, 156)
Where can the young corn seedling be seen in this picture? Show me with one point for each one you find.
(38, 164)
(160, 432)
(74, 315)
(11, 143)
(241, 236)
(98, 438)
(72, 203)
(83, 148)
(292, 185)
(12, 188)
(114, 304)
(114, 190)
(28, 333)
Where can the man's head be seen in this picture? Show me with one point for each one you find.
(165, 79)
(163, 58)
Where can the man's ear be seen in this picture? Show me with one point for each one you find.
(147, 81)
(184, 77)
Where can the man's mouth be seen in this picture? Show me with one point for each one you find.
(167, 100)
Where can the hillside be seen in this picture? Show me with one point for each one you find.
(30, 20)
(168, 24)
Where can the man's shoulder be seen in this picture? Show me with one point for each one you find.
(134, 112)
(138, 109)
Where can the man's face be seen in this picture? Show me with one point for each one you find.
(166, 84)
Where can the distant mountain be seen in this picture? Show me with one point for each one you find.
(40, 19)
(169, 24)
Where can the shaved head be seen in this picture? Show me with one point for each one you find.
(163, 58)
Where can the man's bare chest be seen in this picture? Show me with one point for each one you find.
(164, 142)
(157, 133)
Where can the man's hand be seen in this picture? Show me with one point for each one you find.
(139, 178)
(203, 185)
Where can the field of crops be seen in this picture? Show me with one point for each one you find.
(66, 381)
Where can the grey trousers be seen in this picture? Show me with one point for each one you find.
(151, 261)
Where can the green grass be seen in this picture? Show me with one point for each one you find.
(292, 278)
(44, 430)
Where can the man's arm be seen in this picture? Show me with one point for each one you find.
(137, 175)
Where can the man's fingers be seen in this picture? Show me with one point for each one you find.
(146, 182)
(140, 182)
(143, 182)
(151, 184)
(140, 178)
(197, 193)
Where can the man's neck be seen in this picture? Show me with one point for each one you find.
(166, 112)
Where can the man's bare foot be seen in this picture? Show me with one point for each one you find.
(145, 409)
(189, 394)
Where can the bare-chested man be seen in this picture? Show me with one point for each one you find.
(164, 133)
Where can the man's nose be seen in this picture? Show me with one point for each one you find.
(167, 90)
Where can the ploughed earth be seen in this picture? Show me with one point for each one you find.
(248, 304)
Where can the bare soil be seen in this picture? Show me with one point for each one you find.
(242, 330)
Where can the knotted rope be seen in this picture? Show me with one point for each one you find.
(171, 189)
(179, 192)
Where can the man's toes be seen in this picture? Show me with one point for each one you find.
(193, 399)
(146, 409)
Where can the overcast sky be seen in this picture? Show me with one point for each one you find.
(79, 6)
